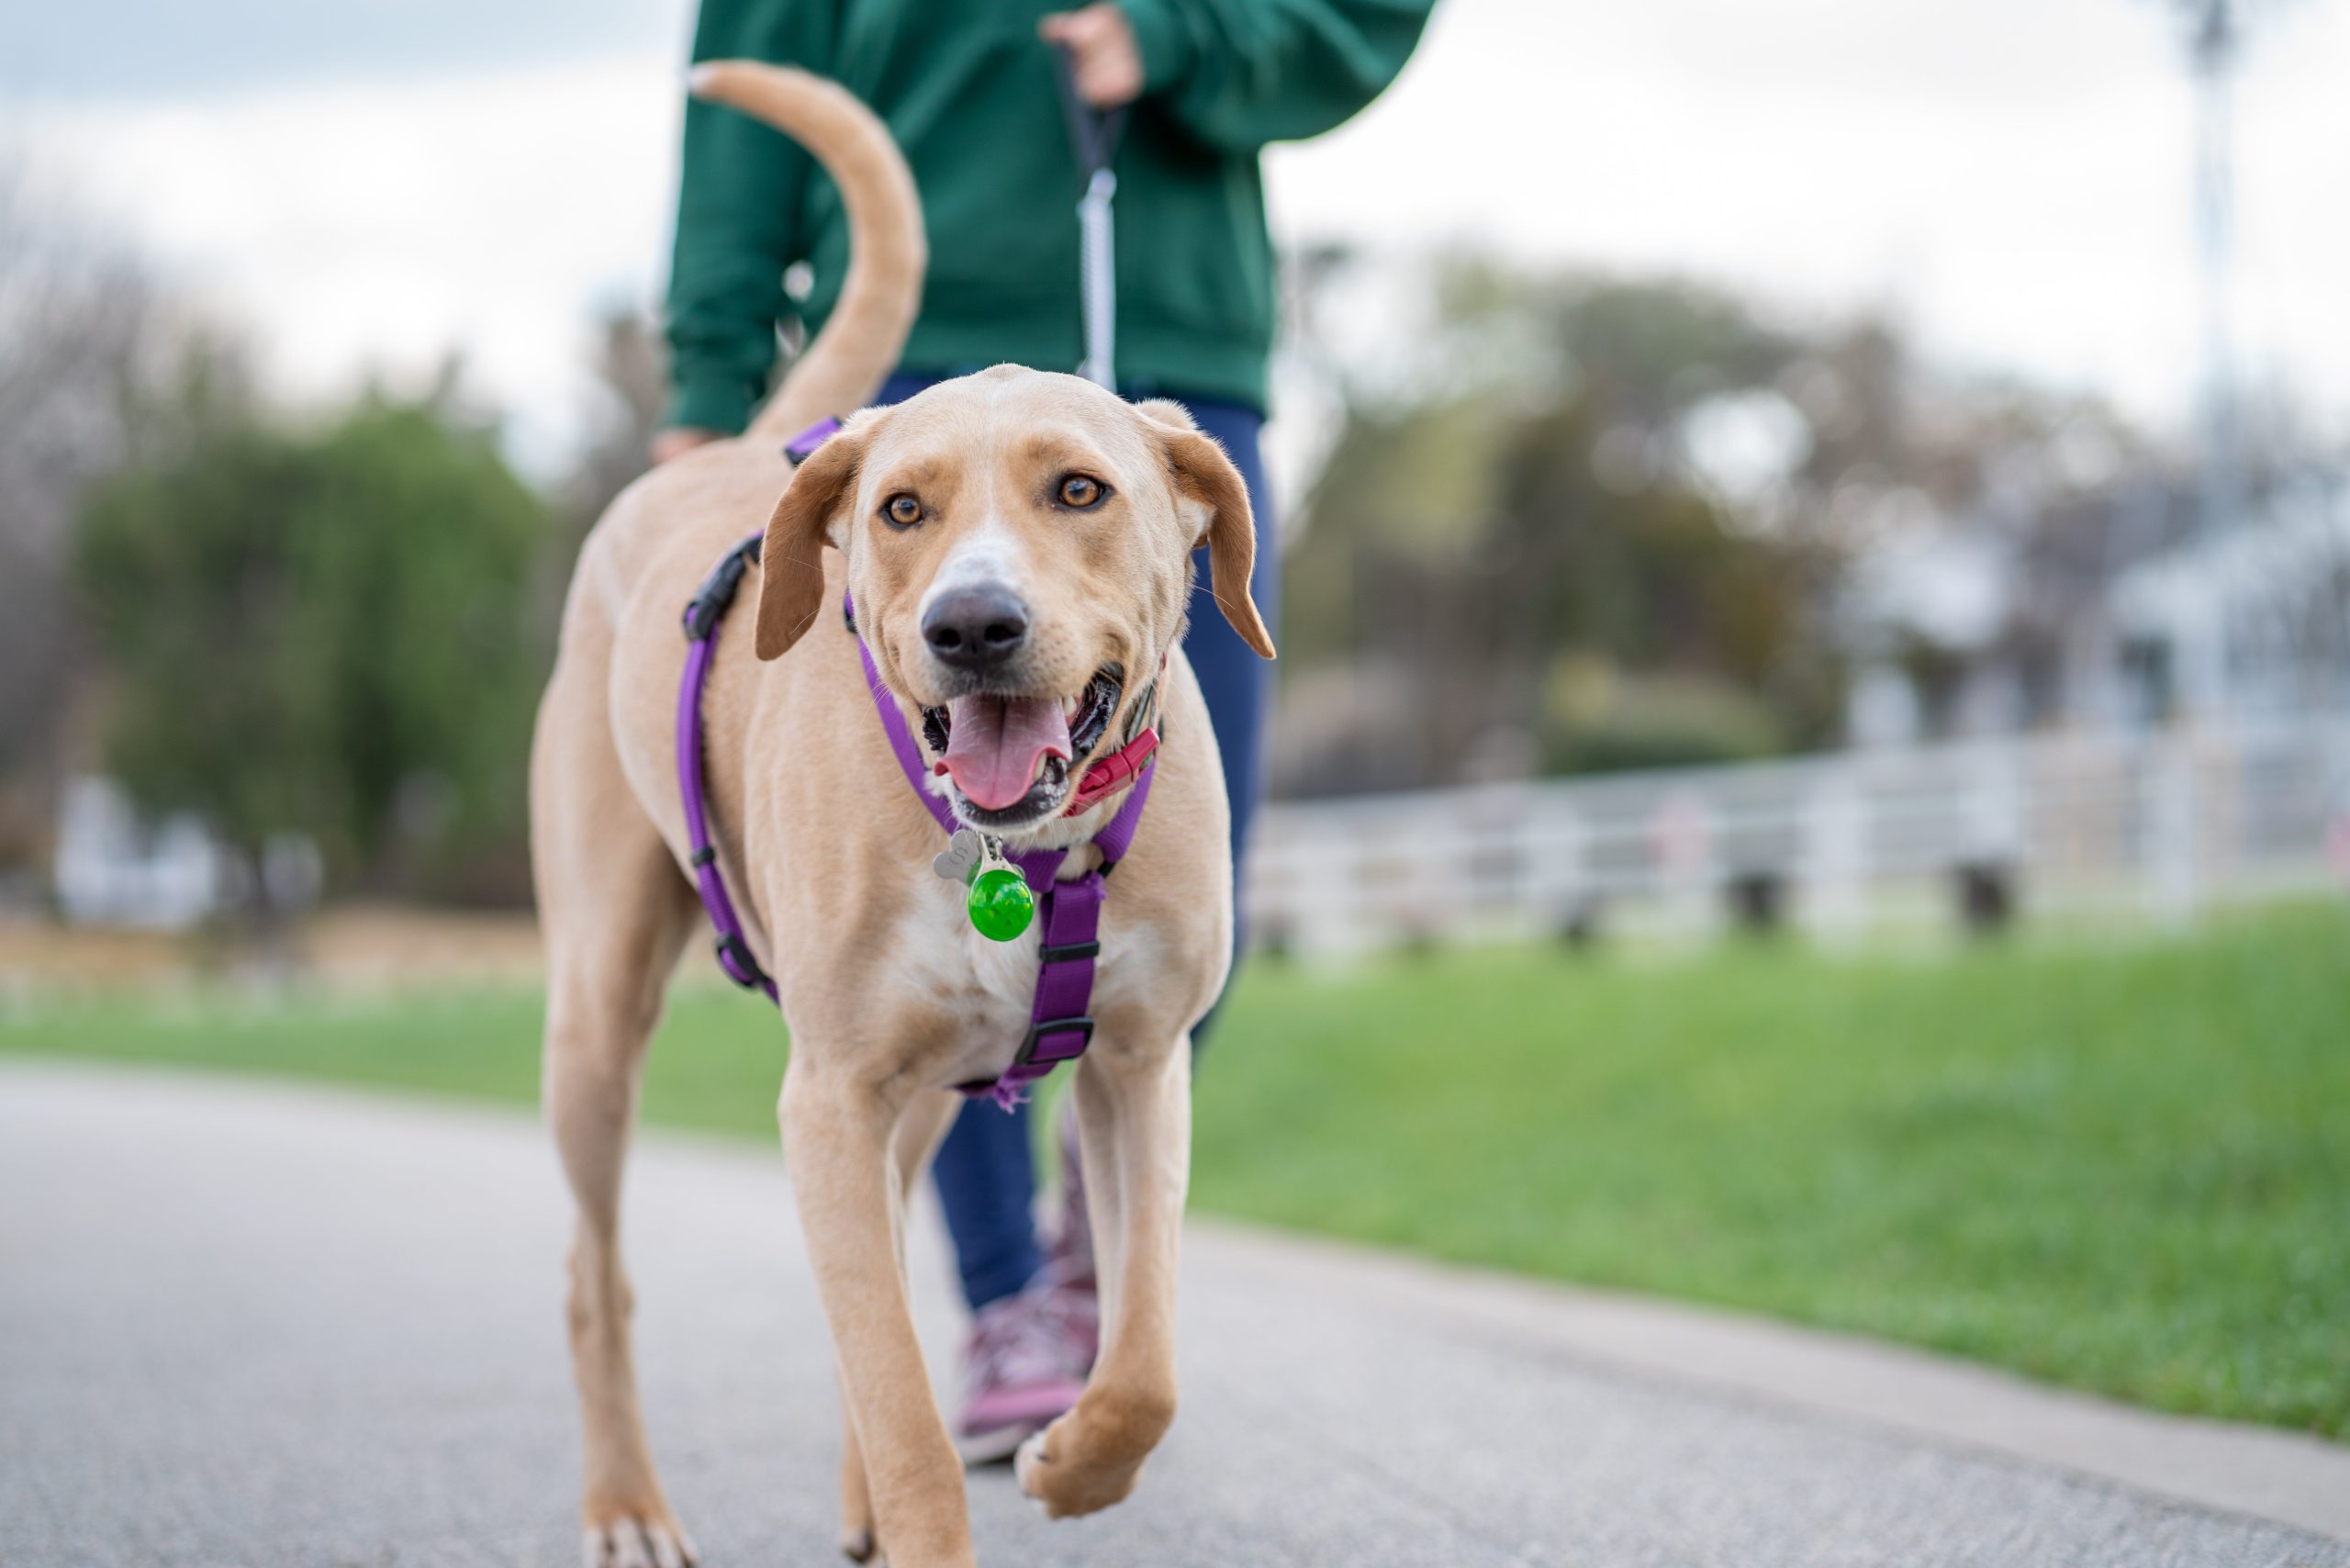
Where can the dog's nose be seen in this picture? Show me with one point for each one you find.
(974, 628)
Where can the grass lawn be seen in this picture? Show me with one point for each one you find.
(2124, 1167)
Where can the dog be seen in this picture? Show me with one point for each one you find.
(1007, 496)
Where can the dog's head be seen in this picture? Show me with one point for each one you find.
(1019, 550)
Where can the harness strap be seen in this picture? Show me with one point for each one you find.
(704, 612)
(801, 447)
(1058, 1025)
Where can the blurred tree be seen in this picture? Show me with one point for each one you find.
(1590, 478)
(76, 314)
(322, 633)
(629, 393)
(1572, 522)
(632, 390)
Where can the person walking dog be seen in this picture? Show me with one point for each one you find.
(1175, 99)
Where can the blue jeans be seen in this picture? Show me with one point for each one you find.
(986, 1171)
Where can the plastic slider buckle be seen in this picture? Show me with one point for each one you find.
(717, 593)
(734, 957)
(1037, 1032)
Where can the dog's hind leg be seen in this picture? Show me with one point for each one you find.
(613, 913)
(1135, 1123)
(605, 971)
(856, 1492)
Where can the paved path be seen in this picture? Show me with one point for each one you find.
(247, 1325)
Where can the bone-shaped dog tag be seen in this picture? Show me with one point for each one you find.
(959, 861)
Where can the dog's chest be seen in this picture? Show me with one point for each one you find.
(990, 986)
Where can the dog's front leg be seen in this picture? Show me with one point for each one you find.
(836, 1138)
(920, 1127)
(1135, 1123)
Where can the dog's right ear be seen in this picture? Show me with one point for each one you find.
(810, 515)
(1213, 497)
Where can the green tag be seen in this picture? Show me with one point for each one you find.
(999, 906)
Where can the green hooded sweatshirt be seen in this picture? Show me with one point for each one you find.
(968, 88)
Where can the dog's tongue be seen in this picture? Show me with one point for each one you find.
(995, 745)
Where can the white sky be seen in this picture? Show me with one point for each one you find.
(2010, 175)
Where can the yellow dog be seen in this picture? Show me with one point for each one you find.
(1017, 547)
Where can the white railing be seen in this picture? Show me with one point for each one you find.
(2162, 824)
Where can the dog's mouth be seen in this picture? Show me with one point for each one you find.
(1010, 754)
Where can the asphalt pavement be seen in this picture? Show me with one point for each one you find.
(243, 1324)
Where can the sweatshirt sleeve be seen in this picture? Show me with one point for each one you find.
(1239, 73)
(739, 198)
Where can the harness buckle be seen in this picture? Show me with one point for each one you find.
(1082, 1026)
(717, 593)
(734, 957)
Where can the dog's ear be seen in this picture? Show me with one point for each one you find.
(791, 557)
(1166, 411)
(1214, 503)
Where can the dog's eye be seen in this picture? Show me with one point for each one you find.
(1084, 494)
(901, 511)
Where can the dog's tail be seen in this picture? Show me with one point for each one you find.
(860, 341)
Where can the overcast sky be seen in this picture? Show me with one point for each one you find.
(369, 184)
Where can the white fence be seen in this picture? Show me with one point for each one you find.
(2160, 825)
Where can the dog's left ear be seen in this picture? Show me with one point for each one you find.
(808, 518)
(1214, 503)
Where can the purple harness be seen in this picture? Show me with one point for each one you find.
(1059, 1027)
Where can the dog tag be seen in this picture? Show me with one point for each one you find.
(959, 861)
(1000, 904)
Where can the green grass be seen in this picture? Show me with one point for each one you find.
(2125, 1167)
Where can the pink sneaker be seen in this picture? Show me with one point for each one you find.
(1024, 1367)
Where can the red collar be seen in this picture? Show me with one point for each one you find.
(1113, 772)
(1120, 769)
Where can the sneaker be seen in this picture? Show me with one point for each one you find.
(1024, 1367)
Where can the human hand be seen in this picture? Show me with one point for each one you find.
(1102, 46)
(678, 440)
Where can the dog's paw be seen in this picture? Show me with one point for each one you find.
(629, 1541)
(1064, 1489)
(1028, 1466)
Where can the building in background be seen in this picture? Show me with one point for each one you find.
(2122, 614)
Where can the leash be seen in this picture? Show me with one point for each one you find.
(1059, 1026)
(1093, 136)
